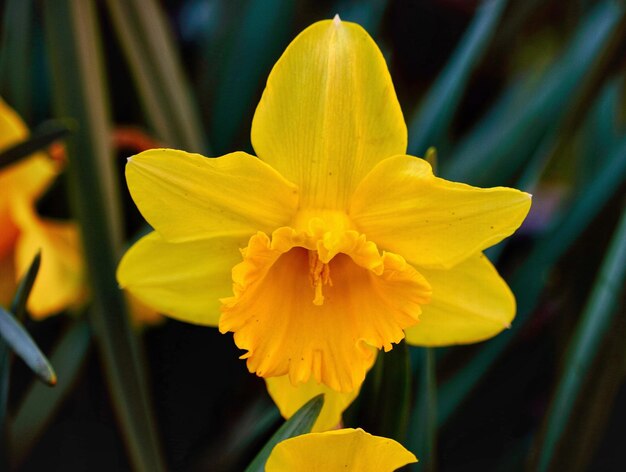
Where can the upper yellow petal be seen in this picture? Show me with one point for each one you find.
(182, 280)
(470, 303)
(338, 451)
(430, 221)
(329, 113)
(188, 196)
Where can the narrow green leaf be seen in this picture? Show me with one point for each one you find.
(491, 154)
(394, 397)
(601, 131)
(300, 423)
(18, 339)
(16, 58)
(73, 40)
(435, 114)
(422, 436)
(262, 33)
(384, 403)
(18, 307)
(252, 426)
(590, 331)
(41, 137)
(529, 280)
(40, 404)
(155, 64)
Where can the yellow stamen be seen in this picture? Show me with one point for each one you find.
(319, 275)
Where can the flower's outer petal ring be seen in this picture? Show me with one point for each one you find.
(60, 282)
(470, 303)
(329, 113)
(338, 451)
(183, 280)
(187, 197)
(430, 221)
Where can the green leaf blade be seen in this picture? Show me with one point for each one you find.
(300, 423)
(41, 137)
(590, 331)
(435, 114)
(40, 404)
(72, 34)
(18, 339)
(492, 154)
(156, 67)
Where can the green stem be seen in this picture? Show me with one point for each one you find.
(423, 432)
(78, 79)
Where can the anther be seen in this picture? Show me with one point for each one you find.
(319, 275)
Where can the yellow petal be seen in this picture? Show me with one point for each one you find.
(338, 451)
(8, 232)
(28, 177)
(182, 280)
(329, 113)
(141, 314)
(8, 283)
(187, 197)
(60, 282)
(12, 128)
(290, 398)
(313, 305)
(470, 303)
(430, 221)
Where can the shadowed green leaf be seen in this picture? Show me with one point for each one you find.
(40, 404)
(18, 339)
(80, 92)
(262, 33)
(601, 131)
(41, 137)
(422, 437)
(154, 62)
(529, 280)
(590, 331)
(394, 397)
(383, 405)
(435, 114)
(15, 55)
(491, 154)
(300, 423)
(18, 307)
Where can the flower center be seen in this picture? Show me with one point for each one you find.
(292, 318)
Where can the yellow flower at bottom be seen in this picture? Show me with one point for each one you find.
(332, 243)
(338, 451)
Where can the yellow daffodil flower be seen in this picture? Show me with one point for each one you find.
(333, 243)
(60, 281)
(338, 451)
